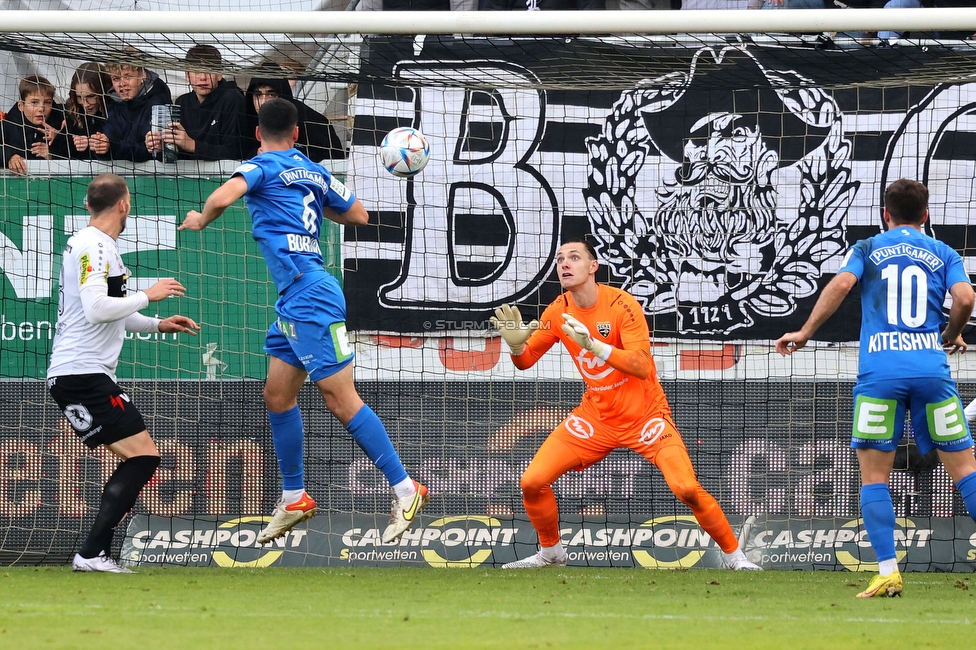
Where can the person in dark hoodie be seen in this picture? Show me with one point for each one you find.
(210, 114)
(136, 91)
(317, 138)
(31, 129)
(85, 112)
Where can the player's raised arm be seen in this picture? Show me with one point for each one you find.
(219, 200)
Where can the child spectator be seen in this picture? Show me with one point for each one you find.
(32, 128)
(135, 91)
(85, 112)
(211, 114)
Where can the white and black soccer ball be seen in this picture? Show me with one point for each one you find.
(404, 152)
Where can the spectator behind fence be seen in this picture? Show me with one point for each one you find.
(317, 138)
(32, 128)
(135, 91)
(211, 114)
(85, 112)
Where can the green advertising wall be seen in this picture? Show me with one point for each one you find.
(229, 292)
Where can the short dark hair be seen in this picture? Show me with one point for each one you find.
(277, 118)
(206, 55)
(105, 191)
(35, 84)
(906, 201)
(585, 244)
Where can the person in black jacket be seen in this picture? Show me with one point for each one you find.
(85, 113)
(317, 138)
(135, 91)
(211, 114)
(31, 129)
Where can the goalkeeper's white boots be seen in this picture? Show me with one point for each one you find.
(101, 563)
(737, 561)
(538, 561)
(286, 516)
(404, 512)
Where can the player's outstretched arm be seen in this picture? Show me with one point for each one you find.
(508, 321)
(219, 200)
(828, 303)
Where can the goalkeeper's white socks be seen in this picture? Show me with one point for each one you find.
(970, 411)
(553, 554)
(737, 561)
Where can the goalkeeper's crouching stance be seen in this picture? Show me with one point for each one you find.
(624, 405)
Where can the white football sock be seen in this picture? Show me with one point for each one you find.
(291, 496)
(887, 567)
(404, 488)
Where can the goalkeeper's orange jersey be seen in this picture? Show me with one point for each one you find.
(612, 397)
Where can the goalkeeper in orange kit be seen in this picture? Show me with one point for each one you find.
(624, 405)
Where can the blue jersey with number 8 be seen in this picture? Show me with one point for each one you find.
(904, 276)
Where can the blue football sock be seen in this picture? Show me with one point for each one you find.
(967, 488)
(288, 435)
(879, 519)
(370, 434)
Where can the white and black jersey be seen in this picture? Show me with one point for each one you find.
(94, 310)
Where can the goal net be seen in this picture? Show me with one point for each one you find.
(721, 169)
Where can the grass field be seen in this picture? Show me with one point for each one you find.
(477, 608)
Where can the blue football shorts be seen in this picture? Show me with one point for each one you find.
(937, 414)
(310, 332)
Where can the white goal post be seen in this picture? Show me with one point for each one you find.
(485, 22)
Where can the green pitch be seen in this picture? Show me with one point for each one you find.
(477, 608)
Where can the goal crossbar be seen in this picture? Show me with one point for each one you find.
(486, 22)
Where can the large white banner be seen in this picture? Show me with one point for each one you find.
(721, 184)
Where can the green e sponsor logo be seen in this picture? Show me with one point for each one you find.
(874, 419)
(340, 341)
(946, 421)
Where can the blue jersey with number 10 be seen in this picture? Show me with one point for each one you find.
(285, 195)
(904, 276)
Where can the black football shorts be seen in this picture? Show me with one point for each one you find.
(97, 408)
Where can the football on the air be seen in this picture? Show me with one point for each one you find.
(404, 152)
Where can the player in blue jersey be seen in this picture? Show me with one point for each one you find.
(904, 276)
(288, 195)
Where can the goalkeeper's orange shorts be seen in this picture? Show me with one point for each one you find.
(593, 441)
